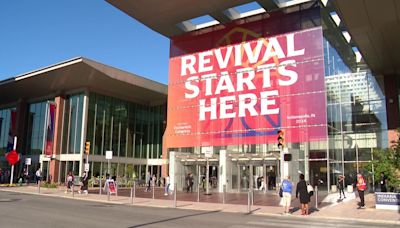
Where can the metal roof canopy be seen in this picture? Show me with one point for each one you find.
(375, 27)
(81, 73)
(164, 16)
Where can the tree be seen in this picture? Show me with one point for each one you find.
(388, 162)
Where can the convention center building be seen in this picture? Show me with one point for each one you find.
(260, 90)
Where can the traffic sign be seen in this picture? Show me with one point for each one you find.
(109, 154)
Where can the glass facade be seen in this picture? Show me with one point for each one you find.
(128, 129)
(72, 124)
(36, 128)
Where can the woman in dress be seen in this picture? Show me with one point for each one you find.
(301, 191)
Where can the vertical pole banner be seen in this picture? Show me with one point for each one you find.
(48, 151)
(242, 93)
(12, 131)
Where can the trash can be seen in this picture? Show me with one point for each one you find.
(333, 188)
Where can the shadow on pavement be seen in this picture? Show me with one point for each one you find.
(171, 219)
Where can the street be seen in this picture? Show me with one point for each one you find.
(23, 210)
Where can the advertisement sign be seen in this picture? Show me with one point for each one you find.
(207, 151)
(243, 93)
(111, 186)
(51, 114)
(387, 200)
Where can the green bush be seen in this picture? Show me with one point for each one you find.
(48, 185)
(388, 162)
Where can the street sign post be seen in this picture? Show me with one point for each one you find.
(109, 155)
(208, 153)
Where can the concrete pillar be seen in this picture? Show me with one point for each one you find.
(164, 154)
(172, 169)
(306, 161)
(222, 170)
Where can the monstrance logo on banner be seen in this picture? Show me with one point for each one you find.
(243, 93)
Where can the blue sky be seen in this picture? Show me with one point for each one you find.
(35, 34)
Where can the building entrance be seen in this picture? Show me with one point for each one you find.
(196, 171)
(257, 175)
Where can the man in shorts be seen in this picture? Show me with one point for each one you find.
(287, 187)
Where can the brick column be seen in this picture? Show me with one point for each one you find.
(392, 101)
(55, 163)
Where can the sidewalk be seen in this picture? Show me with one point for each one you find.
(344, 210)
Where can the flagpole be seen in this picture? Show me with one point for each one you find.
(12, 167)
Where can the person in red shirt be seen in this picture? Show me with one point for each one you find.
(361, 187)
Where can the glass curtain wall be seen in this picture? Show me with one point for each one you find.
(356, 108)
(72, 124)
(35, 132)
(5, 127)
(129, 129)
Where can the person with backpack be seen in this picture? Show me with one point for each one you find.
(287, 187)
(361, 187)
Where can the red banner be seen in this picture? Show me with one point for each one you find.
(12, 131)
(51, 113)
(243, 93)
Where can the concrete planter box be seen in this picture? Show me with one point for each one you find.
(387, 200)
(350, 188)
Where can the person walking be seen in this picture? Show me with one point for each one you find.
(189, 183)
(287, 187)
(341, 184)
(70, 182)
(302, 192)
(85, 183)
(148, 182)
(383, 182)
(167, 183)
(361, 187)
(38, 176)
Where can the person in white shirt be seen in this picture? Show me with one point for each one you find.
(38, 175)
(167, 183)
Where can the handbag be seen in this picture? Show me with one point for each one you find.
(280, 192)
(310, 190)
